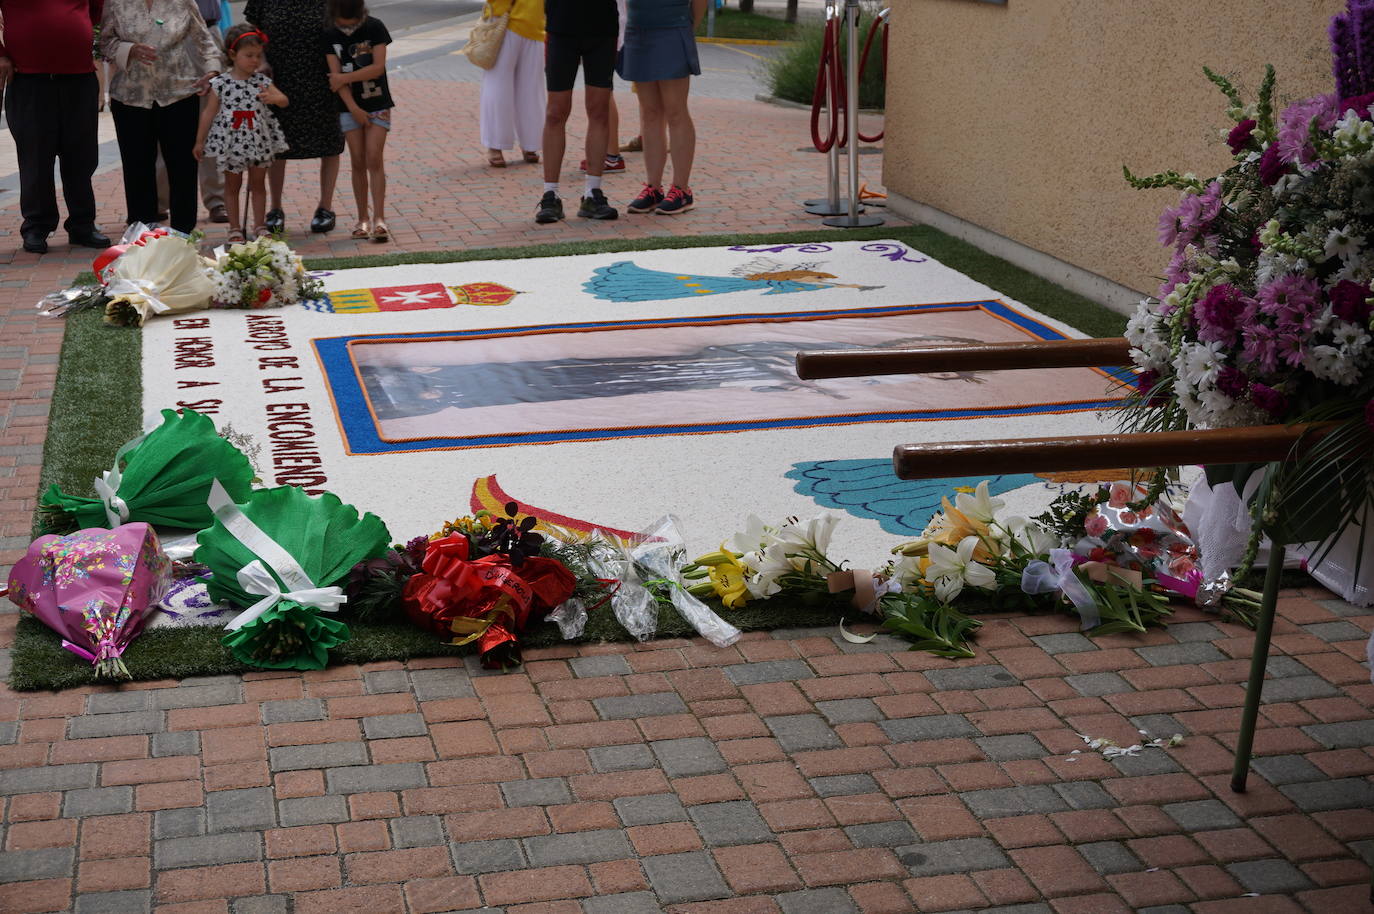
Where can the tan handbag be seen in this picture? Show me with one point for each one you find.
(484, 42)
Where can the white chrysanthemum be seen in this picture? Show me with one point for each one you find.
(1200, 362)
(1342, 242)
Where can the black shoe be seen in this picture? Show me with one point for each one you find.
(550, 208)
(323, 221)
(36, 242)
(275, 221)
(595, 206)
(92, 238)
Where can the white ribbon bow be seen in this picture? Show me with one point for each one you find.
(147, 289)
(1040, 577)
(116, 510)
(261, 575)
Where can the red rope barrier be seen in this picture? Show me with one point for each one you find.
(830, 80)
(863, 62)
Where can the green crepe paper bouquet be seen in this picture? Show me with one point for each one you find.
(325, 538)
(162, 478)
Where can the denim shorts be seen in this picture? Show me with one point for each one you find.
(381, 118)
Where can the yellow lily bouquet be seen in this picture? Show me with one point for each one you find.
(764, 561)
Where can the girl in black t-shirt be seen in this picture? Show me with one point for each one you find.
(355, 47)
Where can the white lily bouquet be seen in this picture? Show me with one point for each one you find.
(263, 273)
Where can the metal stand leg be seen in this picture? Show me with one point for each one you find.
(1263, 630)
(853, 219)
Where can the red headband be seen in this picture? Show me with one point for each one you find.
(235, 42)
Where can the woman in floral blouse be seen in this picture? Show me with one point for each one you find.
(164, 58)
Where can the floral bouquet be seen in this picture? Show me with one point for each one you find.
(152, 272)
(263, 273)
(1265, 312)
(283, 555)
(162, 478)
(95, 588)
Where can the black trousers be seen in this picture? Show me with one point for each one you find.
(53, 119)
(141, 133)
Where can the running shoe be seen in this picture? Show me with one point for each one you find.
(613, 163)
(594, 206)
(677, 200)
(648, 200)
(550, 208)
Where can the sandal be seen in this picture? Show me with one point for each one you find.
(380, 233)
(361, 230)
(236, 236)
(532, 158)
(495, 159)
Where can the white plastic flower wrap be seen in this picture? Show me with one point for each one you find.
(157, 273)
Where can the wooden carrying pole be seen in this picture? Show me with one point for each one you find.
(854, 363)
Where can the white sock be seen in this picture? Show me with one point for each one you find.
(551, 186)
(593, 183)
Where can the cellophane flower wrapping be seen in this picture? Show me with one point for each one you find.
(325, 537)
(158, 272)
(661, 551)
(263, 273)
(486, 600)
(164, 479)
(94, 588)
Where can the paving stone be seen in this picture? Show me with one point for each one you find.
(962, 855)
(733, 822)
(844, 785)
(849, 710)
(207, 850)
(1286, 769)
(537, 792)
(1012, 747)
(937, 726)
(48, 777)
(1201, 815)
(446, 682)
(600, 665)
(815, 901)
(653, 809)
(1085, 795)
(9, 732)
(1269, 876)
(475, 857)
(1036, 908)
(1175, 654)
(683, 758)
(313, 810)
(621, 758)
(882, 834)
(1350, 734)
(241, 810)
(988, 676)
(1282, 667)
(768, 671)
(1094, 685)
(417, 831)
(290, 710)
(117, 702)
(1013, 801)
(179, 823)
(803, 732)
(1110, 857)
(1162, 726)
(654, 704)
(114, 902)
(379, 682)
(1066, 643)
(391, 726)
(1342, 608)
(625, 903)
(97, 801)
(325, 755)
(119, 724)
(1336, 631)
(1194, 631)
(1298, 688)
(370, 778)
(48, 863)
(1164, 909)
(261, 904)
(578, 847)
(176, 742)
(692, 876)
(200, 696)
(1149, 761)
(1322, 796)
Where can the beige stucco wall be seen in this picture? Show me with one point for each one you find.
(1018, 117)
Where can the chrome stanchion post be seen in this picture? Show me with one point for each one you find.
(829, 206)
(853, 219)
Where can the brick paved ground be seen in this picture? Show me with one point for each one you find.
(792, 773)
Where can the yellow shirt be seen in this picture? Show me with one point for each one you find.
(526, 16)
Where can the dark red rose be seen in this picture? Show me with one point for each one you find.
(1350, 301)
(1239, 137)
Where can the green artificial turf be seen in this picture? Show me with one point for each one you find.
(97, 407)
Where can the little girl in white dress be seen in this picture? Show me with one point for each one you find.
(239, 130)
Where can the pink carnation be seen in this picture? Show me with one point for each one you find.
(1296, 123)
(1268, 399)
(1350, 301)
(1239, 138)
